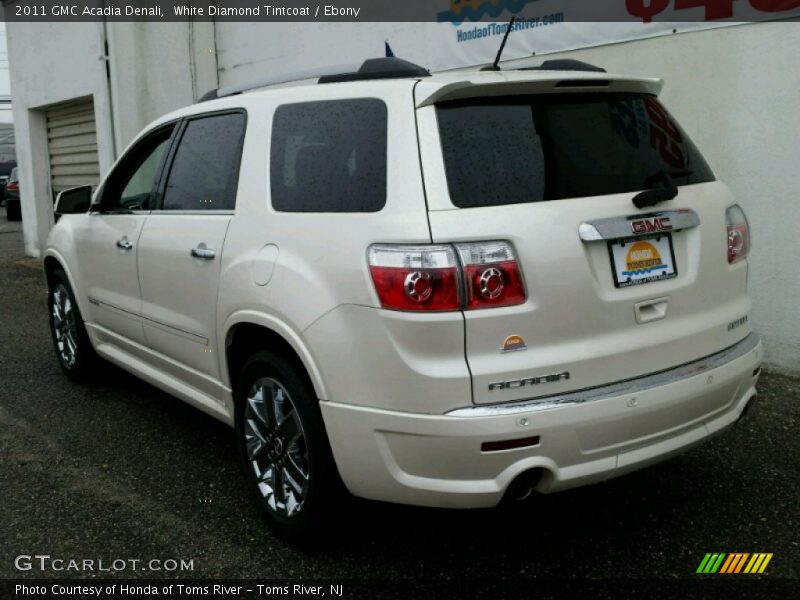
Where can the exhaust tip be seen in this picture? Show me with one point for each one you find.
(524, 483)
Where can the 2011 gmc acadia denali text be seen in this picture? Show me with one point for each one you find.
(438, 290)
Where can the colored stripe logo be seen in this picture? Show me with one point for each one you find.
(736, 562)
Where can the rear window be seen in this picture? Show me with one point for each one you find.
(550, 147)
(329, 156)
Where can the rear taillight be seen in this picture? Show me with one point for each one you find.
(430, 277)
(738, 234)
(12, 187)
(415, 277)
(491, 275)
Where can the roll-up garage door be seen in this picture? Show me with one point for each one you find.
(72, 145)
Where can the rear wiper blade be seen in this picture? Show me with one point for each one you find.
(655, 195)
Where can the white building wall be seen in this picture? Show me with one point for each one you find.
(52, 63)
(157, 68)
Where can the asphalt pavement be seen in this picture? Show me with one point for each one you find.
(117, 469)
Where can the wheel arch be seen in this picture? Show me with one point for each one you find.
(53, 261)
(250, 332)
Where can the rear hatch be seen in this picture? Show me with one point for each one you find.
(614, 292)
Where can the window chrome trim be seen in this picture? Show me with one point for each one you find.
(95, 210)
(628, 386)
(615, 228)
(162, 211)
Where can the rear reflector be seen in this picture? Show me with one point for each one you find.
(738, 234)
(510, 444)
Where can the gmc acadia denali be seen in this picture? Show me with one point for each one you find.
(437, 290)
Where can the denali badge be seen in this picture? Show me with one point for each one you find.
(737, 323)
(519, 383)
(651, 225)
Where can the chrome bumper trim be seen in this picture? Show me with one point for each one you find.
(628, 386)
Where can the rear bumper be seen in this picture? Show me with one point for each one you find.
(585, 437)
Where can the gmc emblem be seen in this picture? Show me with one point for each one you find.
(651, 225)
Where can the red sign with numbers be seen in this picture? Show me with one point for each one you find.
(646, 10)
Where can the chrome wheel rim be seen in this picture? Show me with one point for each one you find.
(276, 447)
(64, 327)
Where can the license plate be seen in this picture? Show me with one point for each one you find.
(640, 260)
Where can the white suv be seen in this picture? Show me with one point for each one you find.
(438, 290)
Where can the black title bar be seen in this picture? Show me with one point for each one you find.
(441, 11)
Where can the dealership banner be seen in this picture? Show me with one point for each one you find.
(474, 44)
(466, 36)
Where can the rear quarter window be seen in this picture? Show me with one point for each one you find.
(329, 156)
(550, 147)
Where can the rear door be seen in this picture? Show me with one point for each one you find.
(614, 291)
(181, 245)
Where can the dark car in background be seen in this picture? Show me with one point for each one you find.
(6, 166)
(13, 207)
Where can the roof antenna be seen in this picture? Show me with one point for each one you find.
(495, 66)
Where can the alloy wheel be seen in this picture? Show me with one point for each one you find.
(276, 447)
(65, 328)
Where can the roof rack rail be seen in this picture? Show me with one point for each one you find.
(374, 68)
(565, 64)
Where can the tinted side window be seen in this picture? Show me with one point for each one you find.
(205, 171)
(131, 183)
(329, 156)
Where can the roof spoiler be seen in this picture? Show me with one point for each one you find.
(514, 83)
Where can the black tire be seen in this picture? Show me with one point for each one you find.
(13, 210)
(275, 469)
(69, 331)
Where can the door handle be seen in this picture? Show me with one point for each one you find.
(204, 253)
(124, 244)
